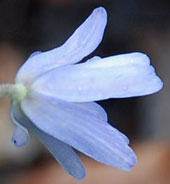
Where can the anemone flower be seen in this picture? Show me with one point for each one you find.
(54, 98)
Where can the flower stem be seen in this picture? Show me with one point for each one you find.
(5, 90)
(14, 91)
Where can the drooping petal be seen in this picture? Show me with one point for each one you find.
(120, 76)
(82, 42)
(62, 152)
(21, 135)
(80, 129)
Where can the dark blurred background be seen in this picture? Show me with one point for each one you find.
(38, 25)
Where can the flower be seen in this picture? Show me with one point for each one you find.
(54, 98)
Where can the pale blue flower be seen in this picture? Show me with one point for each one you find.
(54, 98)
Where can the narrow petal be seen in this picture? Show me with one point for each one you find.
(120, 76)
(21, 135)
(80, 129)
(62, 152)
(82, 42)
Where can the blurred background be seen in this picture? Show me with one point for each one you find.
(38, 25)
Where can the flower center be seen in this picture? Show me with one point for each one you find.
(16, 92)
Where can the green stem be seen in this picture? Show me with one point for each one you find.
(6, 90)
(15, 91)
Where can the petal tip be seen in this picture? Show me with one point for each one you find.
(140, 58)
(17, 143)
(100, 11)
(78, 173)
(160, 85)
(80, 176)
(131, 162)
(157, 85)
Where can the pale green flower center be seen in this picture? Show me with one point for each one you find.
(16, 92)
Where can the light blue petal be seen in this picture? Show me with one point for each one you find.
(80, 129)
(82, 42)
(95, 109)
(62, 152)
(35, 53)
(98, 112)
(94, 58)
(21, 135)
(120, 76)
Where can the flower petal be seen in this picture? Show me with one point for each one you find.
(82, 42)
(98, 112)
(80, 129)
(94, 58)
(62, 152)
(120, 76)
(95, 109)
(21, 135)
